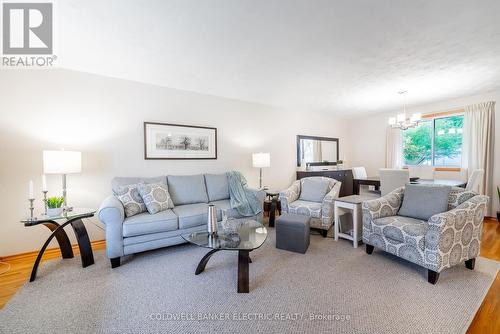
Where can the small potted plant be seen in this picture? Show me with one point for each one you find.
(498, 212)
(54, 206)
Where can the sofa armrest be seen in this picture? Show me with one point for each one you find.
(112, 214)
(384, 206)
(289, 195)
(455, 235)
(327, 207)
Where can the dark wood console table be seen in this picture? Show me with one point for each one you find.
(343, 175)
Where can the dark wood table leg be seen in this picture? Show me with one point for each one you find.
(272, 212)
(355, 187)
(203, 262)
(62, 239)
(83, 242)
(243, 271)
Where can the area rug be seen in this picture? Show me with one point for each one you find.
(333, 287)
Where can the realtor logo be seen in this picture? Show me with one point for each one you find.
(27, 28)
(27, 35)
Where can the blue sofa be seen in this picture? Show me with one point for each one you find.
(191, 195)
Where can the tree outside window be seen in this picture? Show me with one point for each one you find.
(436, 142)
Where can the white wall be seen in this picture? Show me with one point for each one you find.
(367, 137)
(103, 118)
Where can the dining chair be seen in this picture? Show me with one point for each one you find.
(359, 172)
(422, 172)
(475, 180)
(391, 179)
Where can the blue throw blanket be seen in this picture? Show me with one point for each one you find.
(242, 198)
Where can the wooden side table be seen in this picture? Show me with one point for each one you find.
(274, 204)
(75, 219)
(349, 204)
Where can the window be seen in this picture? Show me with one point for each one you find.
(434, 142)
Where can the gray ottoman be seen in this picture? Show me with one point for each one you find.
(292, 232)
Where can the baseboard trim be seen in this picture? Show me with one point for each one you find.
(50, 253)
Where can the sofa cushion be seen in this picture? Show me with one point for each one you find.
(217, 186)
(155, 197)
(305, 208)
(424, 201)
(191, 214)
(131, 199)
(313, 189)
(401, 229)
(145, 223)
(187, 189)
(123, 181)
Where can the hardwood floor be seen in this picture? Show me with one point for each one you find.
(487, 319)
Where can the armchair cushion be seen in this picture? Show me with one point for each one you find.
(424, 201)
(314, 189)
(401, 230)
(305, 208)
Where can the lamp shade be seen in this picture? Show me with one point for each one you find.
(62, 162)
(260, 160)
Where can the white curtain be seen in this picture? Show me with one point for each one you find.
(477, 143)
(394, 148)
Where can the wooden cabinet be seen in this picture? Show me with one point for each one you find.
(343, 175)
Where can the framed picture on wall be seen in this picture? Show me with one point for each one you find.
(174, 141)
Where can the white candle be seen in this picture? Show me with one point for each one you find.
(31, 196)
(44, 183)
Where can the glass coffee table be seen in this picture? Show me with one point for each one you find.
(237, 235)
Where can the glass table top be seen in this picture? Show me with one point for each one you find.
(75, 213)
(235, 234)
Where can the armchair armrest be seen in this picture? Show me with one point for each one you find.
(384, 206)
(455, 235)
(289, 195)
(112, 214)
(327, 207)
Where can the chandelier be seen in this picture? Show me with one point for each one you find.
(401, 121)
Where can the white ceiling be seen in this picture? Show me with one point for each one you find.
(343, 57)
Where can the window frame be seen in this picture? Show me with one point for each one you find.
(433, 118)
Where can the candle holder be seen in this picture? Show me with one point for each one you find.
(45, 201)
(31, 218)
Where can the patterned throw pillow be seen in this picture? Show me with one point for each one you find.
(156, 197)
(130, 198)
(458, 196)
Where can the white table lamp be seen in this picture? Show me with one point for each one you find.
(261, 160)
(62, 162)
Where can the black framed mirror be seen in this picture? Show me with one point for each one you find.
(317, 151)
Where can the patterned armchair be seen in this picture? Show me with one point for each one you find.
(321, 213)
(443, 241)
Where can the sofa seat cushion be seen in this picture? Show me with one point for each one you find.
(145, 223)
(399, 229)
(217, 186)
(305, 208)
(191, 214)
(187, 189)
